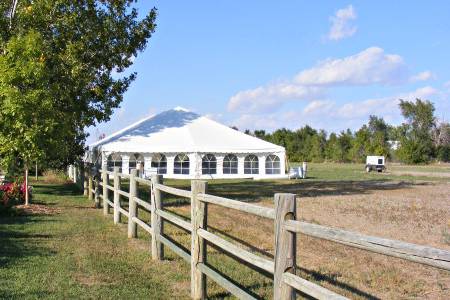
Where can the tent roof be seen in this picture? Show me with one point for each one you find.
(179, 130)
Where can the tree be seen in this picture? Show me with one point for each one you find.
(361, 144)
(260, 134)
(416, 143)
(332, 148)
(61, 70)
(344, 143)
(318, 145)
(378, 136)
(441, 140)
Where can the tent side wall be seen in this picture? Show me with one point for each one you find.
(195, 164)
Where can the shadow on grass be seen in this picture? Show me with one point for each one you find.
(67, 189)
(319, 277)
(247, 288)
(251, 191)
(16, 245)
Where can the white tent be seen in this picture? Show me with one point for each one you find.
(182, 144)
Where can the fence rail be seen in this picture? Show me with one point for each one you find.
(412, 252)
(257, 210)
(283, 266)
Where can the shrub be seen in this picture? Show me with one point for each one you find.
(12, 194)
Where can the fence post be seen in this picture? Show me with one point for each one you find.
(75, 173)
(198, 245)
(97, 188)
(105, 182)
(157, 225)
(84, 179)
(90, 196)
(116, 195)
(285, 245)
(132, 206)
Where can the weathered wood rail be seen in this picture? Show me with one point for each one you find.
(283, 266)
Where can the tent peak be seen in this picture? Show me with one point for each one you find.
(179, 108)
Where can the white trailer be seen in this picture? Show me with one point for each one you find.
(375, 163)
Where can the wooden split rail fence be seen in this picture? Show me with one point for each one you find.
(283, 267)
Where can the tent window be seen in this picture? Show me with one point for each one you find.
(136, 160)
(159, 162)
(230, 164)
(181, 164)
(209, 164)
(272, 164)
(251, 165)
(114, 160)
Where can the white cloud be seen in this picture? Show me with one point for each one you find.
(371, 66)
(318, 107)
(423, 93)
(341, 24)
(381, 106)
(422, 76)
(266, 98)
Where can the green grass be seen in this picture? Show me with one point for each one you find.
(78, 253)
(343, 172)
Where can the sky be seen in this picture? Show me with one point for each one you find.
(273, 64)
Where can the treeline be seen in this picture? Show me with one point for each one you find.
(420, 139)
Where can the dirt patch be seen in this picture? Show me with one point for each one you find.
(37, 209)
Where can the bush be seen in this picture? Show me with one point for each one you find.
(12, 194)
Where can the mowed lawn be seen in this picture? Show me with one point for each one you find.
(70, 250)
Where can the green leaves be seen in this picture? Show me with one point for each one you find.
(56, 69)
(416, 142)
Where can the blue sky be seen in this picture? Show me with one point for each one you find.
(272, 64)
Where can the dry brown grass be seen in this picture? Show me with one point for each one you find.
(417, 213)
(55, 176)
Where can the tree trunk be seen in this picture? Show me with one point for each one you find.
(27, 200)
(36, 172)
